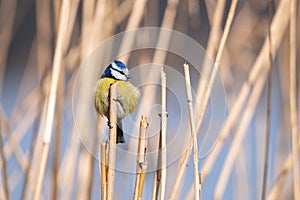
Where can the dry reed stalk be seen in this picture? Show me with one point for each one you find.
(12, 144)
(168, 22)
(197, 187)
(268, 120)
(35, 154)
(213, 39)
(14, 137)
(93, 35)
(84, 176)
(35, 141)
(112, 140)
(206, 95)
(71, 59)
(241, 188)
(3, 166)
(163, 136)
(58, 133)
(7, 17)
(293, 104)
(276, 188)
(56, 11)
(155, 188)
(92, 176)
(85, 173)
(44, 35)
(157, 183)
(274, 194)
(29, 72)
(33, 95)
(141, 185)
(43, 41)
(160, 56)
(134, 21)
(65, 178)
(52, 98)
(19, 110)
(194, 13)
(278, 26)
(103, 169)
(88, 10)
(66, 174)
(122, 11)
(97, 32)
(110, 23)
(71, 22)
(23, 124)
(2, 193)
(14, 179)
(283, 72)
(238, 139)
(161, 172)
(141, 166)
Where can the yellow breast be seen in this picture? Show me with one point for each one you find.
(127, 96)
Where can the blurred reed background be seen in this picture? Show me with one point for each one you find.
(44, 42)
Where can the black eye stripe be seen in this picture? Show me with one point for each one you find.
(121, 72)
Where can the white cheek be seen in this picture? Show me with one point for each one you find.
(114, 65)
(117, 75)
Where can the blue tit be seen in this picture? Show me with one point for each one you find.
(127, 94)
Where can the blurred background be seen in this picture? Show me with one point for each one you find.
(32, 32)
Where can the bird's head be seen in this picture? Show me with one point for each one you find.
(116, 70)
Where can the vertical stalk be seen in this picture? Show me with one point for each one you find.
(57, 149)
(193, 129)
(52, 98)
(103, 169)
(4, 167)
(155, 186)
(238, 139)
(278, 26)
(134, 21)
(206, 95)
(112, 140)
(161, 172)
(163, 136)
(267, 141)
(213, 40)
(141, 159)
(293, 104)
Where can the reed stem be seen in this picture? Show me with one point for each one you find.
(206, 95)
(103, 169)
(141, 166)
(293, 99)
(52, 98)
(267, 138)
(4, 166)
(112, 140)
(197, 188)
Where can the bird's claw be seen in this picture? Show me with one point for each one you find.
(108, 124)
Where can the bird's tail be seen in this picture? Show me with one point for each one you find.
(120, 136)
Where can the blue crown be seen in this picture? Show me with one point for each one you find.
(107, 71)
(120, 64)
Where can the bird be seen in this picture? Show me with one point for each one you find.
(127, 94)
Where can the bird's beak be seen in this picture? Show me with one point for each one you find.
(128, 76)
